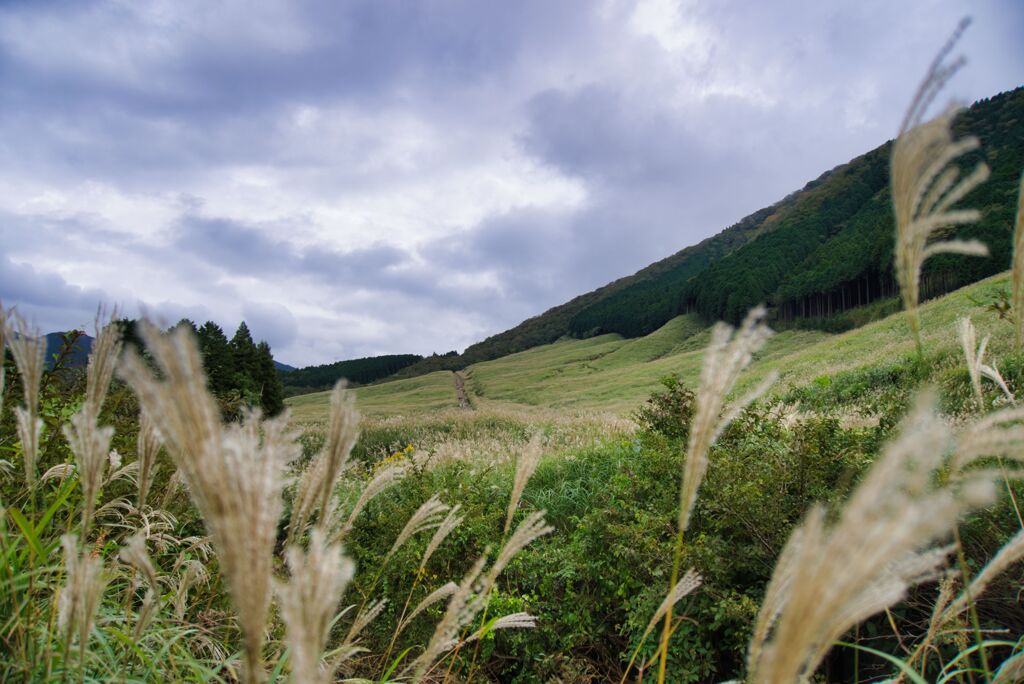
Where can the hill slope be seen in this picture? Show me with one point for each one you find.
(612, 374)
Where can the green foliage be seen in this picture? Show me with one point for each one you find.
(355, 371)
(668, 413)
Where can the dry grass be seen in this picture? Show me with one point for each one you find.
(1018, 269)
(926, 185)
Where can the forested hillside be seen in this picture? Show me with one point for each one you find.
(841, 256)
(356, 371)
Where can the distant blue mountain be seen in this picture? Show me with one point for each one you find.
(283, 367)
(77, 356)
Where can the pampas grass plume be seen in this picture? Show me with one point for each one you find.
(28, 349)
(926, 184)
(80, 596)
(308, 601)
(427, 517)
(234, 473)
(148, 447)
(525, 465)
(834, 576)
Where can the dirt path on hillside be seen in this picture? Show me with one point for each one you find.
(460, 391)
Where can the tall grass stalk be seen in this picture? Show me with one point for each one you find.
(886, 539)
(234, 473)
(28, 348)
(926, 184)
(1018, 269)
(728, 354)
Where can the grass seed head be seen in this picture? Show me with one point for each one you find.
(835, 575)
(91, 446)
(926, 184)
(318, 578)
(233, 473)
(525, 465)
(80, 596)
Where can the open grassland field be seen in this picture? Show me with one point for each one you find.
(609, 375)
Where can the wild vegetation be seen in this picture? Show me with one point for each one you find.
(792, 507)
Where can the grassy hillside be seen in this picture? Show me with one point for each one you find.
(612, 374)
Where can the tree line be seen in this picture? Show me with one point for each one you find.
(357, 371)
(240, 372)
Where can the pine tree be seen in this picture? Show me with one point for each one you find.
(186, 323)
(245, 367)
(269, 382)
(218, 360)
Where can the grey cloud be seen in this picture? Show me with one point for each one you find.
(272, 323)
(668, 147)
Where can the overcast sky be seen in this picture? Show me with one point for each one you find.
(358, 178)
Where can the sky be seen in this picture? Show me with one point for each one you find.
(368, 177)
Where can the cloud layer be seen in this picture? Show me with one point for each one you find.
(379, 177)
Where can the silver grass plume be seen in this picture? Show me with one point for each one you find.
(380, 482)
(80, 596)
(447, 526)
(427, 517)
(1010, 553)
(193, 573)
(439, 594)
(89, 442)
(472, 594)
(106, 349)
(1018, 268)
(728, 354)
(1011, 671)
(837, 575)
(533, 527)
(525, 465)
(91, 445)
(318, 579)
(148, 447)
(510, 621)
(685, 586)
(234, 474)
(926, 183)
(463, 606)
(134, 553)
(4, 315)
(318, 480)
(175, 482)
(974, 355)
(28, 349)
(362, 620)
